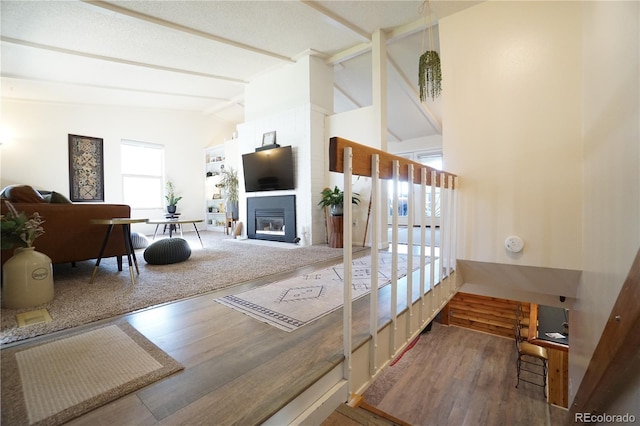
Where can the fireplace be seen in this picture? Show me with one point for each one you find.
(272, 218)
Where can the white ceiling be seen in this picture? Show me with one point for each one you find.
(199, 55)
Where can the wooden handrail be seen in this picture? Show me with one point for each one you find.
(618, 348)
(362, 162)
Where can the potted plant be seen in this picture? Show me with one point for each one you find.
(18, 230)
(172, 199)
(27, 277)
(229, 184)
(334, 199)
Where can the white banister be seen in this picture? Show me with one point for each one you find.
(347, 262)
(375, 263)
(410, 220)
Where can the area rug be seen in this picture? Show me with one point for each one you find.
(222, 263)
(295, 302)
(53, 382)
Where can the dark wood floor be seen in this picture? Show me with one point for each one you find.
(455, 376)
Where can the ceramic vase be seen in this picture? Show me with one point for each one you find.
(27, 279)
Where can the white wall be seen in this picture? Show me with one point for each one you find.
(427, 143)
(512, 129)
(542, 123)
(357, 126)
(611, 190)
(286, 101)
(37, 153)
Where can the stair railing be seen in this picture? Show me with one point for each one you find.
(437, 281)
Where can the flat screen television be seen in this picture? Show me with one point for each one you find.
(268, 170)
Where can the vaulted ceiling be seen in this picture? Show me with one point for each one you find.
(199, 55)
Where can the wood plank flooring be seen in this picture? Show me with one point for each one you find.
(239, 371)
(455, 376)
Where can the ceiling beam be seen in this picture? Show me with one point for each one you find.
(408, 29)
(393, 35)
(406, 85)
(104, 86)
(338, 21)
(117, 60)
(177, 27)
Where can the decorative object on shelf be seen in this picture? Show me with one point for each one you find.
(334, 199)
(27, 277)
(269, 138)
(229, 184)
(172, 199)
(429, 71)
(86, 168)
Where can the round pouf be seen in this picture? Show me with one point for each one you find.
(169, 250)
(139, 241)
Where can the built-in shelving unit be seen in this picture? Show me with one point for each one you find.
(214, 204)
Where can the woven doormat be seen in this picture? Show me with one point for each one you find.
(53, 382)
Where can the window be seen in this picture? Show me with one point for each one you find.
(431, 159)
(142, 174)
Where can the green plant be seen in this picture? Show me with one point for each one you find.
(335, 197)
(172, 200)
(229, 183)
(429, 75)
(19, 230)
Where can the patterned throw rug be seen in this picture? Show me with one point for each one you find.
(51, 383)
(293, 303)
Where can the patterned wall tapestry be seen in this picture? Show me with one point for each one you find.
(86, 168)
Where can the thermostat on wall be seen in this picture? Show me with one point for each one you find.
(514, 244)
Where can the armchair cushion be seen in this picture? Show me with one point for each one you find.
(22, 194)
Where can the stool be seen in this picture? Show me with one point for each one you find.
(532, 359)
(167, 251)
(139, 241)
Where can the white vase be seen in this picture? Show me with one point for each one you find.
(27, 279)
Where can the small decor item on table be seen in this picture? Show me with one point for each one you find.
(172, 199)
(27, 277)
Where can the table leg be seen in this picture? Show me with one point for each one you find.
(198, 234)
(127, 243)
(156, 231)
(104, 246)
(133, 252)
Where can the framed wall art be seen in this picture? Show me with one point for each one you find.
(86, 168)
(269, 138)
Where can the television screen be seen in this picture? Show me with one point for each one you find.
(268, 170)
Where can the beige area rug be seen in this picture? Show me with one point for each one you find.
(222, 263)
(295, 302)
(52, 383)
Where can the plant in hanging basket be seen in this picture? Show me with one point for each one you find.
(429, 75)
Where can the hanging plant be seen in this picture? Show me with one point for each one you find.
(429, 75)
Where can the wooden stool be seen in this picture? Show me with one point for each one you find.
(532, 359)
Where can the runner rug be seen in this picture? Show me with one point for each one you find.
(295, 302)
(54, 382)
